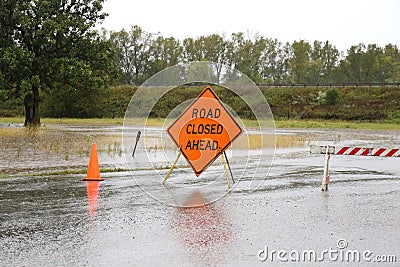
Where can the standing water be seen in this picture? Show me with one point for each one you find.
(49, 217)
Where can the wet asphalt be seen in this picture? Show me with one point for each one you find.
(59, 220)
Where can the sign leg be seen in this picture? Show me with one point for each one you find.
(229, 167)
(172, 167)
(225, 170)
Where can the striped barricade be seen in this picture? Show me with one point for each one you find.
(349, 151)
(356, 151)
(377, 152)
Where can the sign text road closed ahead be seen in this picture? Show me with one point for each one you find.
(204, 130)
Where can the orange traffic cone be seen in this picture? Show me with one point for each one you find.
(93, 173)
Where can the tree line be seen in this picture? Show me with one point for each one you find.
(51, 56)
(141, 54)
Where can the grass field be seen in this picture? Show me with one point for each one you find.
(322, 124)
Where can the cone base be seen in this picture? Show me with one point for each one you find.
(93, 179)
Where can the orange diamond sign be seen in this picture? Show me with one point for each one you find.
(204, 130)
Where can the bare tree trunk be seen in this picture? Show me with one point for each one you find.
(31, 102)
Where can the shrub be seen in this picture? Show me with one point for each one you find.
(331, 97)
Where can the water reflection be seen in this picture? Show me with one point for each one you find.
(325, 201)
(203, 230)
(92, 188)
(257, 141)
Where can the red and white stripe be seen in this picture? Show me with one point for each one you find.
(361, 151)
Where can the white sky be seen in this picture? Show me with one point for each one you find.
(342, 22)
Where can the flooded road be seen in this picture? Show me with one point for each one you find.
(59, 220)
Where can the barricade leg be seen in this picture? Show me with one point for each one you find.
(325, 178)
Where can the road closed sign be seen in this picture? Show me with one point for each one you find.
(204, 130)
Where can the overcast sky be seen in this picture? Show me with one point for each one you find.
(342, 22)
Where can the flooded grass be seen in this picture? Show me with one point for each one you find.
(17, 143)
(335, 124)
(55, 142)
(65, 148)
(39, 150)
(70, 121)
(292, 123)
(54, 150)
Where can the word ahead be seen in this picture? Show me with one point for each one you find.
(204, 130)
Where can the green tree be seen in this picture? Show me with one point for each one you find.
(370, 63)
(234, 49)
(363, 64)
(133, 54)
(54, 46)
(389, 63)
(394, 53)
(210, 48)
(200, 71)
(243, 54)
(324, 61)
(193, 50)
(215, 51)
(164, 53)
(122, 46)
(300, 61)
(272, 60)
